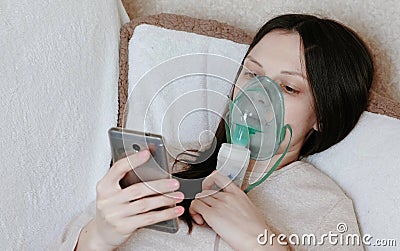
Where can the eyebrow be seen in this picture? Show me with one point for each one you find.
(250, 58)
(292, 73)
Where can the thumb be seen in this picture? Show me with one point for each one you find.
(122, 166)
(198, 218)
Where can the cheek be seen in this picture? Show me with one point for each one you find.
(240, 82)
(300, 116)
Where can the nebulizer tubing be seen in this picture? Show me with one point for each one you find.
(255, 184)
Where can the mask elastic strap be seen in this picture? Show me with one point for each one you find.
(250, 187)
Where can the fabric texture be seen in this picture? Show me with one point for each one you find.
(180, 84)
(366, 165)
(380, 104)
(297, 199)
(210, 28)
(59, 74)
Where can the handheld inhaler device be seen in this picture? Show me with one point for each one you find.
(255, 129)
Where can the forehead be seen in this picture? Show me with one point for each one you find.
(278, 47)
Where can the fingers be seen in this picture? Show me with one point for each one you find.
(215, 178)
(209, 201)
(122, 166)
(150, 203)
(119, 211)
(144, 189)
(198, 219)
(127, 217)
(109, 184)
(206, 202)
(207, 196)
(153, 217)
(196, 209)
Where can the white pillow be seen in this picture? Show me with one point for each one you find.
(366, 164)
(176, 80)
(59, 78)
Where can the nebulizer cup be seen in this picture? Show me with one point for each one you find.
(254, 127)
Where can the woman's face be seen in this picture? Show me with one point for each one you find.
(279, 55)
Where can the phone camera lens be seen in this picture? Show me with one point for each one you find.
(136, 147)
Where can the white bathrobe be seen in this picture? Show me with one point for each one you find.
(297, 201)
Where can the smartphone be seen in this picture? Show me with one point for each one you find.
(125, 142)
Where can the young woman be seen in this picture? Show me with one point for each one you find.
(325, 71)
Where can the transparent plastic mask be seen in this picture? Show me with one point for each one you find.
(255, 118)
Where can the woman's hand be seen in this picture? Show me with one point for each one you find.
(230, 213)
(119, 212)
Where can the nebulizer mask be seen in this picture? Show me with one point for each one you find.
(254, 128)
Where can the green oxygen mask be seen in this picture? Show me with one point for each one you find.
(255, 118)
(254, 123)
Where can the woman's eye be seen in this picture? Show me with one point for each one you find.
(288, 89)
(250, 74)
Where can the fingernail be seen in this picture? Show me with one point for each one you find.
(143, 153)
(179, 196)
(179, 210)
(173, 184)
